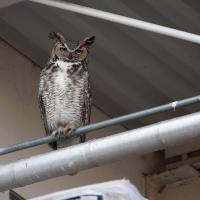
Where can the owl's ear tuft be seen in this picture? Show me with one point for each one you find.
(57, 37)
(88, 41)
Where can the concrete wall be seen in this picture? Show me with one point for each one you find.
(188, 190)
(20, 120)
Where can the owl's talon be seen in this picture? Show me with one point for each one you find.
(68, 131)
(60, 134)
(55, 134)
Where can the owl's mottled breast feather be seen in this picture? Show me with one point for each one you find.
(64, 95)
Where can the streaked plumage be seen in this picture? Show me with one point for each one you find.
(64, 89)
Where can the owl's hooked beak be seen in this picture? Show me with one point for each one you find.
(70, 57)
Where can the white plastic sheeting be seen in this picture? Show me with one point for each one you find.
(113, 190)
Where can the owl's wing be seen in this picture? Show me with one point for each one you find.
(43, 114)
(41, 104)
(86, 110)
(53, 145)
(87, 106)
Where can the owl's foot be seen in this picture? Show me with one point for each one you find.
(82, 138)
(60, 134)
(68, 132)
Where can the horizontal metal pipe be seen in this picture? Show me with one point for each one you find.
(110, 122)
(95, 153)
(147, 26)
(6, 3)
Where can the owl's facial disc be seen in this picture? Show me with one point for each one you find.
(72, 51)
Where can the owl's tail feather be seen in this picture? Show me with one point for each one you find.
(82, 138)
(53, 145)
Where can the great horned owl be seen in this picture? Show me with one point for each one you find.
(64, 89)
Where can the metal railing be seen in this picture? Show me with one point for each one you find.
(99, 125)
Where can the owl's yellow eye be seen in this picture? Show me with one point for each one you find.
(63, 49)
(78, 51)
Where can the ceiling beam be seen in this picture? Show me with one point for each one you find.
(122, 20)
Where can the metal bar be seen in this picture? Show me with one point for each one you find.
(166, 134)
(191, 37)
(99, 125)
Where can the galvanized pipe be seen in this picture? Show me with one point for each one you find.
(147, 26)
(110, 122)
(95, 153)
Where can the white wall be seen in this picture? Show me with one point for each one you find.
(20, 120)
